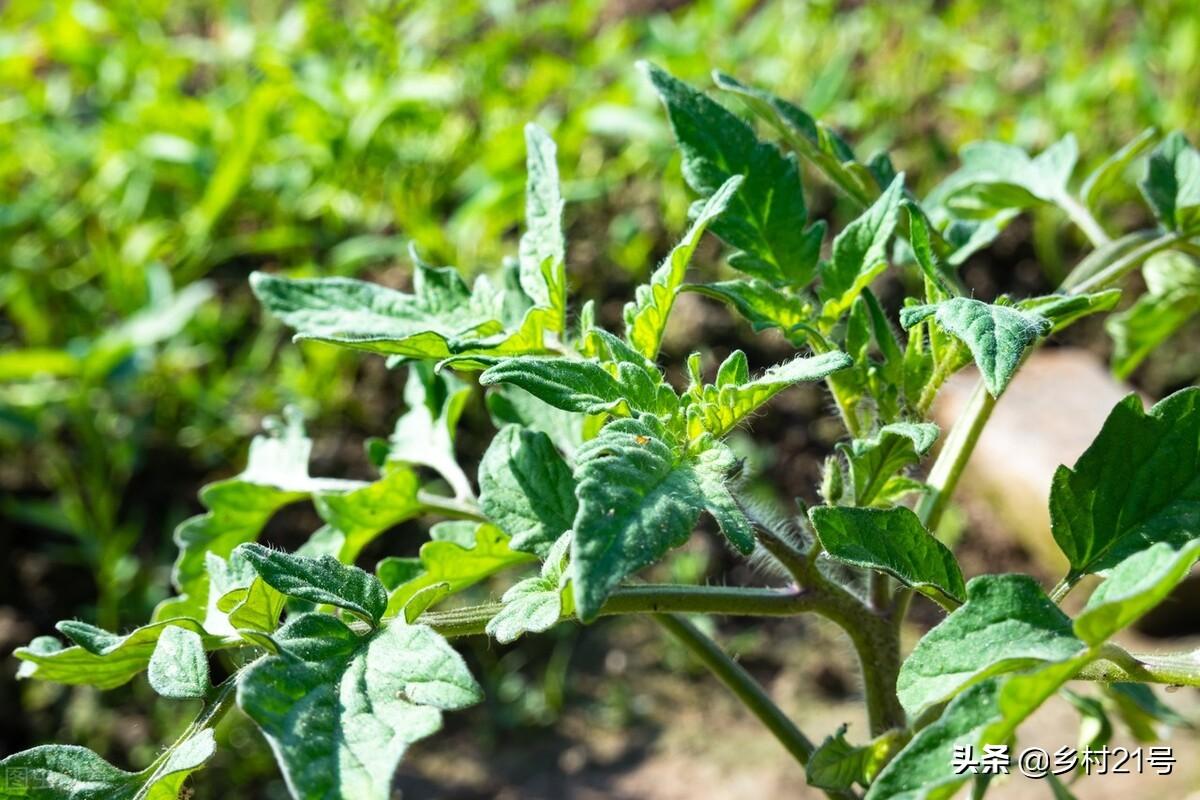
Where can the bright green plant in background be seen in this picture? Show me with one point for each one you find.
(600, 467)
(155, 153)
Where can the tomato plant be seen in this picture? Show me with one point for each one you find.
(601, 466)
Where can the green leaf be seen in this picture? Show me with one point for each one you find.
(1172, 299)
(875, 460)
(254, 608)
(1172, 184)
(719, 408)
(1007, 624)
(997, 176)
(1064, 310)
(178, 666)
(837, 765)
(638, 498)
(482, 552)
(937, 287)
(997, 336)
(763, 306)
(340, 710)
(355, 518)
(1113, 169)
(1137, 484)
(1133, 587)
(535, 604)
(323, 580)
(891, 540)
(424, 434)
(276, 474)
(441, 319)
(99, 658)
(66, 772)
(543, 247)
(526, 489)
(646, 316)
(860, 252)
(580, 386)
(509, 405)
(810, 138)
(1139, 708)
(924, 769)
(765, 219)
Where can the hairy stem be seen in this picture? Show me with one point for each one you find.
(740, 682)
(1118, 665)
(955, 454)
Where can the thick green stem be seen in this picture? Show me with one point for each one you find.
(955, 454)
(1084, 220)
(741, 683)
(1122, 266)
(1118, 665)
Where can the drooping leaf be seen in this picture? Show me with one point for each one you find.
(765, 220)
(763, 306)
(67, 772)
(99, 658)
(860, 252)
(543, 247)
(875, 460)
(1008, 623)
(1172, 183)
(509, 405)
(178, 666)
(646, 316)
(340, 710)
(891, 540)
(996, 335)
(719, 408)
(323, 580)
(451, 558)
(638, 497)
(1133, 587)
(276, 474)
(580, 386)
(1137, 484)
(1171, 300)
(526, 489)
(535, 604)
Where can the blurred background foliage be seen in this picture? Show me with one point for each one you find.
(154, 152)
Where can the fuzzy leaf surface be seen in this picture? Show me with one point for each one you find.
(178, 666)
(891, 540)
(526, 489)
(323, 580)
(1008, 623)
(339, 710)
(996, 335)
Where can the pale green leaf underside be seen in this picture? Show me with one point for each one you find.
(99, 659)
(339, 710)
(178, 666)
(1133, 587)
(1007, 623)
(67, 772)
(646, 317)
